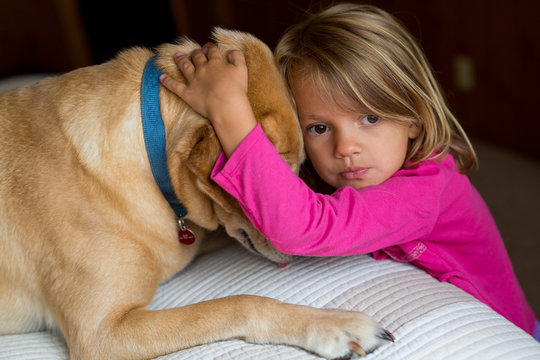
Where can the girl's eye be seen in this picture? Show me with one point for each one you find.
(370, 120)
(318, 129)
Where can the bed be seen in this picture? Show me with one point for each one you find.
(430, 320)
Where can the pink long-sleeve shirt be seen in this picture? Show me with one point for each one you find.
(429, 215)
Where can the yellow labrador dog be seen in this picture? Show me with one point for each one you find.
(87, 235)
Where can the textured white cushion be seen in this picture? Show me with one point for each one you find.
(430, 320)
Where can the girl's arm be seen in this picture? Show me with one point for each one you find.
(296, 220)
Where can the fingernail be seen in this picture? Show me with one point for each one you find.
(162, 77)
(178, 54)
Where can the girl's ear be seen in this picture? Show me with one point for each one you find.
(414, 130)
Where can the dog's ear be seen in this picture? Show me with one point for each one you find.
(199, 152)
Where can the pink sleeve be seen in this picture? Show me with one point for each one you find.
(298, 221)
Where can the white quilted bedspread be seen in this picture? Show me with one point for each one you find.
(430, 320)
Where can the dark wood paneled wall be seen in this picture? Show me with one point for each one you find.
(486, 54)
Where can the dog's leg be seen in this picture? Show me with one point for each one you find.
(100, 291)
(20, 311)
(138, 333)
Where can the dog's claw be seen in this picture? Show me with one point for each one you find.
(357, 348)
(386, 335)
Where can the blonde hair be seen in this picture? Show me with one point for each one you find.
(369, 57)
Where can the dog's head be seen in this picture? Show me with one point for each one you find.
(197, 147)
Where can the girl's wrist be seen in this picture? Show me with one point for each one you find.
(233, 125)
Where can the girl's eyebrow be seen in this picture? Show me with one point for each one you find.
(316, 117)
(313, 117)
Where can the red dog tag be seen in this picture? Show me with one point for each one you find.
(185, 236)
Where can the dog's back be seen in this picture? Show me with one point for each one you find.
(59, 141)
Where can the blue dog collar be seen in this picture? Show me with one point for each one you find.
(154, 135)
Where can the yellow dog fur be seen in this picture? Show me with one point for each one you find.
(86, 236)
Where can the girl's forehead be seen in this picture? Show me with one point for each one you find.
(309, 92)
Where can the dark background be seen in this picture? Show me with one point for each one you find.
(485, 53)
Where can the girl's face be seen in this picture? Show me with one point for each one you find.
(349, 148)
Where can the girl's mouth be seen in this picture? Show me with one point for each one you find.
(354, 173)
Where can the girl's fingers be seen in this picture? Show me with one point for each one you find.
(198, 57)
(173, 85)
(236, 57)
(212, 51)
(184, 64)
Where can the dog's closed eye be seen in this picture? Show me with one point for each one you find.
(245, 235)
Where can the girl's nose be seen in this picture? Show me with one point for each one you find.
(346, 145)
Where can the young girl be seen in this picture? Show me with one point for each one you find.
(376, 128)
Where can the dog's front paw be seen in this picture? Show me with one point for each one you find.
(339, 333)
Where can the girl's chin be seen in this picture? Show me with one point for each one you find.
(358, 184)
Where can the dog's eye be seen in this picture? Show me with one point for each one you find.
(245, 235)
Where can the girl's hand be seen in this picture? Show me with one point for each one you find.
(217, 89)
